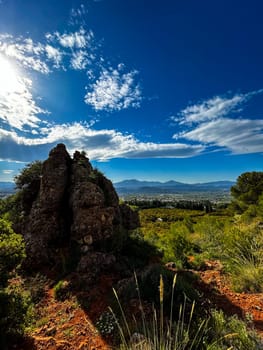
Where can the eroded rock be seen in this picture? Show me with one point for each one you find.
(75, 203)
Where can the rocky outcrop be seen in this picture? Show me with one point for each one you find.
(75, 205)
(46, 222)
(93, 202)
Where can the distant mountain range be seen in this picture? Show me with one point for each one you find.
(147, 187)
(136, 186)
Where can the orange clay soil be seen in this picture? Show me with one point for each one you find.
(66, 325)
(216, 289)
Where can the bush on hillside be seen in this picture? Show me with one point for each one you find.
(14, 302)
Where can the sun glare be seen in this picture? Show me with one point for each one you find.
(9, 78)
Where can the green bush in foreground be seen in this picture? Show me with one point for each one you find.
(14, 302)
(12, 251)
(15, 313)
(230, 333)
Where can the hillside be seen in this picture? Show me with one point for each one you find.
(80, 250)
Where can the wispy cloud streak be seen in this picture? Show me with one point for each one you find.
(213, 108)
(212, 124)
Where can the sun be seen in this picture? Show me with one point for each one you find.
(9, 78)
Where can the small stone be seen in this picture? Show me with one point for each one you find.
(88, 239)
(84, 346)
(84, 249)
(51, 331)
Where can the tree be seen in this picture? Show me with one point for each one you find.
(28, 182)
(31, 173)
(248, 189)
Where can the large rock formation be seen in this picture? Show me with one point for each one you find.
(75, 206)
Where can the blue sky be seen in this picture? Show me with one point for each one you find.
(153, 90)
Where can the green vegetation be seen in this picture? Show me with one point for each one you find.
(15, 303)
(188, 236)
(202, 205)
(12, 250)
(14, 207)
(178, 331)
(28, 175)
(244, 257)
(171, 231)
(61, 290)
(248, 193)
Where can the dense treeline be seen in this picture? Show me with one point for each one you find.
(181, 204)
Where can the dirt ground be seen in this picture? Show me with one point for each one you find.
(216, 288)
(64, 325)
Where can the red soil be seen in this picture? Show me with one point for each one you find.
(216, 289)
(66, 325)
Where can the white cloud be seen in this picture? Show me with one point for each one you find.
(17, 106)
(25, 52)
(74, 40)
(77, 15)
(54, 54)
(57, 51)
(114, 90)
(111, 89)
(213, 108)
(241, 136)
(7, 171)
(76, 46)
(99, 144)
(211, 123)
(79, 60)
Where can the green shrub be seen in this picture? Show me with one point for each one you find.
(15, 312)
(14, 302)
(247, 278)
(12, 250)
(230, 333)
(183, 331)
(11, 207)
(243, 258)
(177, 245)
(30, 173)
(208, 235)
(148, 281)
(36, 285)
(61, 290)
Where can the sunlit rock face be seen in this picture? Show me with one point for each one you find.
(76, 206)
